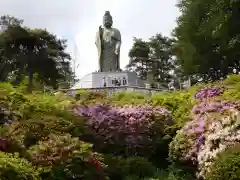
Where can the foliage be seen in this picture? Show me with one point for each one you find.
(27, 133)
(26, 51)
(171, 174)
(124, 98)
(232, 80)
(68, 158)
(89, 96)
(232, 83)
(139, 54)
(178, 103)
(41, 131)
(120, 168)
(207, 40)
(152, 60)
(52, 132)
(227, 165)
(38, 103)
(13, 167)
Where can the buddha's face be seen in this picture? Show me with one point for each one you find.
(107, 22)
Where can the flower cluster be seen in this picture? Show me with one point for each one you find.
(215, 107)
(131, 127)
(208, 92)
(214, 127)
(221, 135)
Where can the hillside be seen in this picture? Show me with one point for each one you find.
(182, 135)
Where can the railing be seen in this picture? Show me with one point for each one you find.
(112, 90)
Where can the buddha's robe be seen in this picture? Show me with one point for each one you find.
(109, 49)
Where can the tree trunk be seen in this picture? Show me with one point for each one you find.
(30, 82)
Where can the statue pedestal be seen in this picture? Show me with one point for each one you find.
(109, 80)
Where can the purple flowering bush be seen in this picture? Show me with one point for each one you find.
(128, 130)
(213, 128)
(208, 92)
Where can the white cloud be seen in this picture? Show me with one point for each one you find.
(78, 20)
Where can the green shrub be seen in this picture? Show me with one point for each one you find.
(28, 132)
(55, 149)
(232, 85)
(232, 94)
(43, 131)
(28, 105)
(5, 89)
(171, 174)
(232, 80)
(45, 103)
(119, 167)
(85, 95)
(66, 157)
(123, 98)
(12, 167)
(179, 103)
(227, 165)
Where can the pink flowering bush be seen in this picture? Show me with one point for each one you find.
(213, 128)
(128, 130)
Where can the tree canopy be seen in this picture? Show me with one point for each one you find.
(152, 59)
(208, 37)
(25, 52)
(205, 44)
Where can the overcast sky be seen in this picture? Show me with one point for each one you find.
(78, 20)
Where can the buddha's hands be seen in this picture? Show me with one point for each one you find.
(117, 49)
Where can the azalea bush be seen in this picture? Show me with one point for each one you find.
(37, 126)
(178, 103)
(12, 167)
(67, 157)
(128, 130)
(226, 166)
(214, 126)
(25, 133)
(87, 135)
(208, 92)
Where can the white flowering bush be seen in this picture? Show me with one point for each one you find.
(222, 134)
(215, 126)
(227, 165)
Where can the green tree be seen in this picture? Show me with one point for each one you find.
(152, 60)
(162, 62)
(25, 52)
(208, 38)
(139, 58)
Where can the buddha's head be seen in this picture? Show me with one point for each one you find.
(107, 20)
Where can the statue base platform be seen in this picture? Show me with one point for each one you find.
(109, 80)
